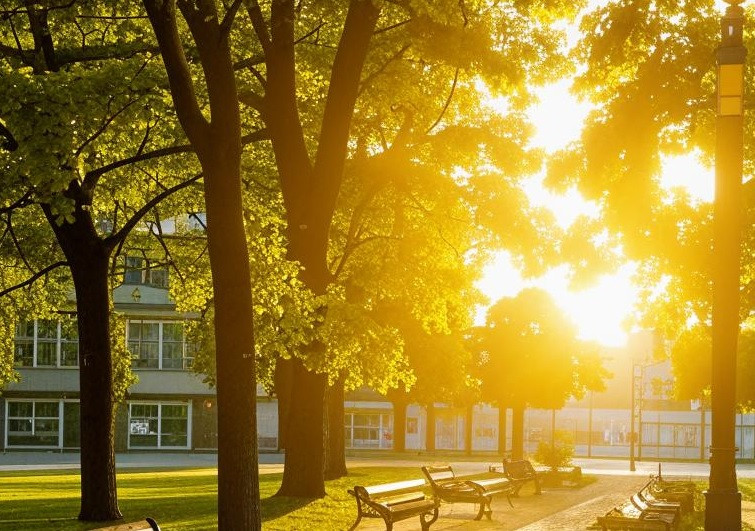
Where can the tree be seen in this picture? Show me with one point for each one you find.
(691, 364)
(312, 147)
(532, 357)
(217, 141)
(74, 146)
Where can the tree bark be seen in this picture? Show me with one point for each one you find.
(335, 448)
(430, 433)
(502, 431)
(310, 191)
(517, 432)
(218, 146)
(468, 429)
(88, 259)
(399, 423)
(303, 473)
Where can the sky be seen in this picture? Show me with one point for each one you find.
(601, 310)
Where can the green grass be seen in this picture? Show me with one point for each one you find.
(185, 499)
(182, 499)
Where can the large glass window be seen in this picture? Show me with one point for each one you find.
(368, 430)
(33, 423)
(159, 345)
(139, 270)
(158, 425)
(47, 343)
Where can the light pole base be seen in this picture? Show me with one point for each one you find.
(723, 510)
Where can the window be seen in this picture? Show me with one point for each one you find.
(138, 270)
(368, 430)
(159, 345)
(159, 425)
(47, 343)
(33, 423)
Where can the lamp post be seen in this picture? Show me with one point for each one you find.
(723, 502)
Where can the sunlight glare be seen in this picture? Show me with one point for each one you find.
(686, 171)
(598, 311)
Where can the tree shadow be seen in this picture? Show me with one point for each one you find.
(274, 507)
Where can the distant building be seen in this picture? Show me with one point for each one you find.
(171, 409)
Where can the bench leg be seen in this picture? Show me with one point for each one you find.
(508, 499)
(427, 523)
(356, 523)
(485, 508)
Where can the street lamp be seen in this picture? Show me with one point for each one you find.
(723, 502)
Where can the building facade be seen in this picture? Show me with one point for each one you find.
(171, 408)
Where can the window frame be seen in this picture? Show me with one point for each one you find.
(160, 403)
(186, 361)
(33, 419)
(59, 342)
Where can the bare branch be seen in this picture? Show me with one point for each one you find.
(33, 278)
(392, 26)
(225, 26)
(119, 236)
(105, 123)
(448, 102)
(24, 200)
(259, 25)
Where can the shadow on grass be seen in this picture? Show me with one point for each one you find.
(276, 506)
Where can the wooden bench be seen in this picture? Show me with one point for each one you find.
(450, 488)
(143, 525)
(682, 492)
(653, 495)
(394, 502)
(518, 472)
(629, 517)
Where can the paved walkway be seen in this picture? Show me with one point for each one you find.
(556, 509)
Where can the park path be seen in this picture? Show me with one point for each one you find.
(561, 509)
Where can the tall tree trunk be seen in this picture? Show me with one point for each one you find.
(517, 432)
(430, 434)
(303, 471)
(310, 192)
(238, 486)
(88, 259)
(217, 143)
(502, 431)
(335, 448)
(399, 422)
(468, 429)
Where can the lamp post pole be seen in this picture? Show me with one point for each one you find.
(723, 502)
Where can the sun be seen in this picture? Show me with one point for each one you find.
(602, 310)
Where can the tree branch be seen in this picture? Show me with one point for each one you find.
(347, 68)
(225, 26)
(162, 16)
(259, 25)
(448, 102)
(33, 278)
(115, 239)
(10, 144)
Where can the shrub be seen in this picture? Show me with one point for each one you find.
(556, 455)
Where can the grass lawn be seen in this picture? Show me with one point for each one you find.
(185, 499)
(178, 499)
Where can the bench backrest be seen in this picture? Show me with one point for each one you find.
(438, 473)
(518, 469)
(387, 490)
